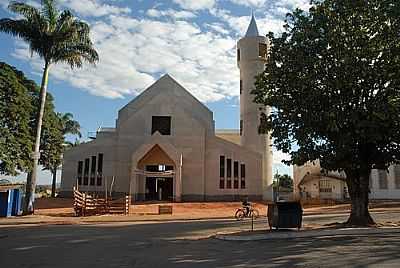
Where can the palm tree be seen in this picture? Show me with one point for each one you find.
(71, 127)
(57, 37)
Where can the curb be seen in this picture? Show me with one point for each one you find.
(309, 234)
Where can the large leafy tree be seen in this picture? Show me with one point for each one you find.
(57, 37)
(333, 78)
(16, 108)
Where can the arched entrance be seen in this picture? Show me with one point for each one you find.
(158, 170)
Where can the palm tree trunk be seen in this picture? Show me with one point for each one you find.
(31, 180)
(53, 184)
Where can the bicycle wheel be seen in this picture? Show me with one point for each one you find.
(254, 212)
(239, 215)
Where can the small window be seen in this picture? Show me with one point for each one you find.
(263, 50)
(242, 176)
(228, 184)
(238, 54)
(228, 168)
(100, 165)
(236, 169)
(222, 166)
(243, 183)
(241, 127)
(161, 124)
(241, 87)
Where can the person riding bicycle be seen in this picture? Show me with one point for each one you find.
(246, 206)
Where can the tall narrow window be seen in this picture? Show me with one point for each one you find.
(222, 166)
(236, 175)
(80, 170)
(86, 172)
(228, 168)
(242, 176)
(241, 127)
(396, 174)
(93, 170)
(161, 124)
(241, 86)
(383, 182)
(100, 170)
(238, 54)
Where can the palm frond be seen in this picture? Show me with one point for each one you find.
(23, 9)
(51, 13)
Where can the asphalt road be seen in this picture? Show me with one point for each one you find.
(186, 244)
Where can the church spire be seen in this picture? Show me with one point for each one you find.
(252, 31)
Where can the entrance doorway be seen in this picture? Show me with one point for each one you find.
(160, 189)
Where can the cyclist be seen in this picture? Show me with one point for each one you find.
(246, 206)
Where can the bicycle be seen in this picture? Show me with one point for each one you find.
(241, 213)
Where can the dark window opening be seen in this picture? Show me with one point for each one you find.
(241, 127)
(93, 171)
(242, 184)
(228, 168)
(100, 165)
(243, 171)
(238, 54)
(161, 124)
(221, 184)
(86, 172)
(263, 50)
(236, 169)
(99, 181)
(241, 86)
(229, 184)
(236, 184)
(80, 170)
(222, 166)
(159, 168)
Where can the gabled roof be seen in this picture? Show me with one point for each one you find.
(252, 31)
(166, 84)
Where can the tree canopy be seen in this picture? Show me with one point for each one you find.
(333, 80)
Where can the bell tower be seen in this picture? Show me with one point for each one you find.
(252, 52)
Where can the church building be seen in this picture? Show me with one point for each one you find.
(165, 146)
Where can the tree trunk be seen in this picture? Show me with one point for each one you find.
(358, 184)
(31, 180)
(53, 184)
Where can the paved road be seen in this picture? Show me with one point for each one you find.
(184, 244)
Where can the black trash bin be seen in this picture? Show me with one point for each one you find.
(285, 215)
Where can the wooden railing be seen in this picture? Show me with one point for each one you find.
(86, 204)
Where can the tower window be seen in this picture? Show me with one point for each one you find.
(238, 54)
(161, 124)
(241, 127)
(262, 50)
(241, 86)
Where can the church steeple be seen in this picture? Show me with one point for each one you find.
(252, 31)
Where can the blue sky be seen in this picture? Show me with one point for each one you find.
(138, 41)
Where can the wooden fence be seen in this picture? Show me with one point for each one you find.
(86, 204)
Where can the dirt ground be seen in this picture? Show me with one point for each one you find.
(61, 207)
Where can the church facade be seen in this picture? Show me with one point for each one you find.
(165, 146)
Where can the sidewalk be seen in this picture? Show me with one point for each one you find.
(316, 233)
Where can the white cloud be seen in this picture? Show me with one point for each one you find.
(134, 52)
(93, 8)
(250, 3)
(181, 14)
(278, 156)
(195, 4)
